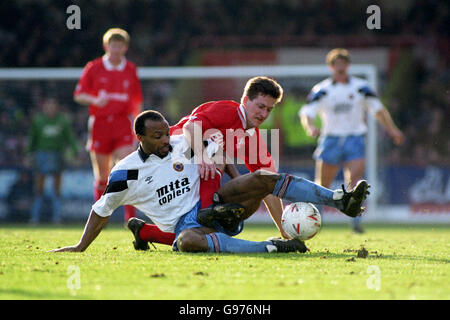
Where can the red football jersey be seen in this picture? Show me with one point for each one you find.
(224, 122)
(120, 84)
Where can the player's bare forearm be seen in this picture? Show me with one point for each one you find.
(275, 207)
(308, 125)
(232, 171)
(194, 136)
(384, 118)
(84, 99)
(87, 99)
(94, 225)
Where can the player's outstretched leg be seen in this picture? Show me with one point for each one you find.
(283, 245)
(297, 189)
(250, 189)
(195, 240)
(352, 200)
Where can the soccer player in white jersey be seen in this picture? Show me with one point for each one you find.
(341, 102)
(161, 180)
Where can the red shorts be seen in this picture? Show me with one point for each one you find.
(107, 134)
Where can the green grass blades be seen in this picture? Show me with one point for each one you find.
(387, 262)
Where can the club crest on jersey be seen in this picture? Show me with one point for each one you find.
(178, 166)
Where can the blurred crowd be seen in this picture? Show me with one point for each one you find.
(164, 32)
(168, 32)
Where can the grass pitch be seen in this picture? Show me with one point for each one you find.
(387, 262)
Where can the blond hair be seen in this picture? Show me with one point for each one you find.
(116, 34)
(337, 53)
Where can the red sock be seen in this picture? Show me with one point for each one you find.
(150, 232)
(129, 212)
(99, 189)
(208, 187)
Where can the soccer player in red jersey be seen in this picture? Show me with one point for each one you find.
(110, 87)
(233, 127)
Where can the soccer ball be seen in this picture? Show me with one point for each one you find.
(301, 220)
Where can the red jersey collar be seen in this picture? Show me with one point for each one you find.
(242, 116)
(241, 113)
(108, 66)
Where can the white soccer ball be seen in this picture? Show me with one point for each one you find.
(301, 220)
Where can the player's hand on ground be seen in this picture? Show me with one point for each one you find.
(67, 249)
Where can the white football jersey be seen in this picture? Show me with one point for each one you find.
(342, 106)
(163, 189)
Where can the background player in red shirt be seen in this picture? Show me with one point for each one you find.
(110, 87)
